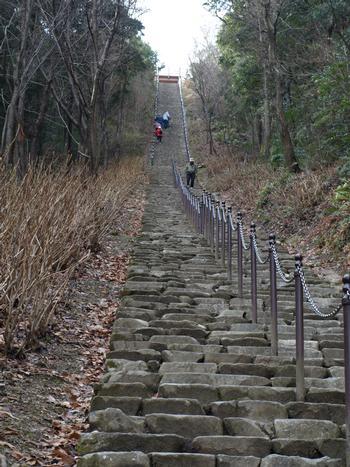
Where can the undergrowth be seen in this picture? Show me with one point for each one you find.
(310, 211)
(49, 223)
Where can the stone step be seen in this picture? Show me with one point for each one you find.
(190, 381)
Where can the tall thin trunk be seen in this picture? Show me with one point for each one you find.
(286, 140)
(266, 136)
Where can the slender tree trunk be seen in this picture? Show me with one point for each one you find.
(287, 144)
(266, 137)
(35, 143)
(288, 148)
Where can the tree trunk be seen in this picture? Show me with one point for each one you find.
(266, 136)
(271, 23)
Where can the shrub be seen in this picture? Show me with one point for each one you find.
(49, 223)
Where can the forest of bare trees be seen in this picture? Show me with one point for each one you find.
(66, 71)
(77, 91)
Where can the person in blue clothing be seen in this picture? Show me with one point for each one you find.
(166, 119)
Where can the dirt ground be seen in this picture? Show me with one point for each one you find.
(44, 398)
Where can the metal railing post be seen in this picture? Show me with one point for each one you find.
(346, 313)
(217, 229)
(212, 225)
(299, 330)
(273, 297)
(198, 214)
(201, 216)
(204, 197)
(209, 219)
(253, 275)
(239, 256)
(229, 243)
(223, 233)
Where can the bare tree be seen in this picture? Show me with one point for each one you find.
(208, 81)
(28, 47)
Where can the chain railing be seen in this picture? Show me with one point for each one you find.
(215, 221)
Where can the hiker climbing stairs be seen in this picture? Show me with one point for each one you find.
(190, 379)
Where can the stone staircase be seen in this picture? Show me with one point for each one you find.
(190, 380)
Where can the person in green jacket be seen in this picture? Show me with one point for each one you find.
(191, 171)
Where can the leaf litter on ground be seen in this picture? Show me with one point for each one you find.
(44, 409)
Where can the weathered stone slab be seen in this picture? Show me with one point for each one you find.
(296, 447)
(244, 427)
(129, 405)
(245, 369)
(204, 393)
(129, 323)
(183, 460)
(306, 429)
(232, 445)
(100, 442)
(125, 365)
(245, 341)
(135, 355)
(186, 367)
(114, 420)
(334, 448)
(309, 371)
(261, 410)
(130, 345)
(205, 349)
(180, 356)
(249, 350)
(166, 340)
(215, 379)
(188, 426)
(319, 411)
(333, 396)
(114, 459)
(276, 460)
(172, 406)
(172, 324)
(237, 461)
(227, 358)
(122, 389)
(225, 409)
(144, 288)
(150, 380)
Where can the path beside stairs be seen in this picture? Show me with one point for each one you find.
(190, 381)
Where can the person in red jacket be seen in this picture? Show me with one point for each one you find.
(158, 133)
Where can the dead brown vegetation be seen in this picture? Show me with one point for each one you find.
(49, 222)
(293, 206)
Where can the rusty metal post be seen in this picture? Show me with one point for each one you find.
(197, 211)
(299, 330)
(223, 233)
(239, 256)
(209, 219)
(201, 216)
(212, 216)
(273, 297)
(207, 198)
(217, 229)
(229, 244)
(253, 275)
(203, 212)
(346, 312)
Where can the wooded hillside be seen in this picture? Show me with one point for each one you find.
(276, 85)
(70, 74)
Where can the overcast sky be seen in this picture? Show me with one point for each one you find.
(173, 26)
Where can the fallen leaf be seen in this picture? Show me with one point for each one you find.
(63, 456)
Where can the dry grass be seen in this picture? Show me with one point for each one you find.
(237, 181)
(49, 223)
